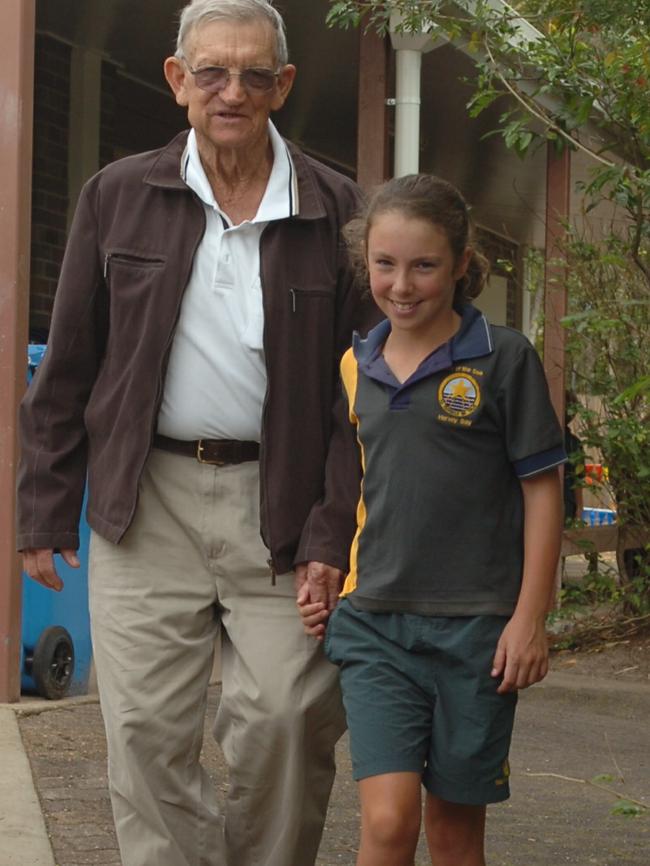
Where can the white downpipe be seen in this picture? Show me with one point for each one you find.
(409, 48)
(407, 111)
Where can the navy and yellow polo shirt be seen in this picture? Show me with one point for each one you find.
(440, 518)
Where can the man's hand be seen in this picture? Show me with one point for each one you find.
(38, 563)
(317, 592)
(521, 658)
(324, 582)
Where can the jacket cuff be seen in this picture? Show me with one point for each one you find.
(47, 541)
(306, 553)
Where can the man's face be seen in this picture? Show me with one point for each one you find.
(235, 117)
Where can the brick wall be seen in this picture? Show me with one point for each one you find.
(50, 175)
(134, 117)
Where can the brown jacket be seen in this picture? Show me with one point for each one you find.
(93, 404)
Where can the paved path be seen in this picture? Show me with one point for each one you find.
(23, 836)
(569, 726)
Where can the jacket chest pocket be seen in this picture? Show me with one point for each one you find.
(138, 289)
(120, 264)
(302, 300)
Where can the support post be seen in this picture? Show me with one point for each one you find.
(558, 202)
(85, 121)
(16, 118)
(558, 208)
(372, 131)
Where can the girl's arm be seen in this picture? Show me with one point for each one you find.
(521, 657)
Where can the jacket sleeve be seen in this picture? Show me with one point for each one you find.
(52, 466)
(330, 527)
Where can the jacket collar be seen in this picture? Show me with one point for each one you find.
(472, 340)
(166, 173)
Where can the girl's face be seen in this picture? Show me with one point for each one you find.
(412, 271)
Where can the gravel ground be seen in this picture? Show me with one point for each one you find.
(588, 721)
(568, 732)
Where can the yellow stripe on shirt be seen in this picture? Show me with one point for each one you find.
(349, 375)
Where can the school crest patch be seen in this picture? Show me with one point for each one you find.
(459, 395)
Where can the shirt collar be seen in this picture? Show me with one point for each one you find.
(280, 198)
(163, 171)
(472, 340)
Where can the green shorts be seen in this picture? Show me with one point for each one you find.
(419, 698)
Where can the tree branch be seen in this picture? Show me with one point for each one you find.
(544, 118)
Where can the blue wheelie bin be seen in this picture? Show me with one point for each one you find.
(56, 650)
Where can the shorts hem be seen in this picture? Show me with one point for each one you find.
(468, 796)
(382, 768)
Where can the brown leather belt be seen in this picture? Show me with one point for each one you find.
(218, 452)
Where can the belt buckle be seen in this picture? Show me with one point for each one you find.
(201, 458)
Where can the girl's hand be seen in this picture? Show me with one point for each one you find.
(314, 613)
(521, 658)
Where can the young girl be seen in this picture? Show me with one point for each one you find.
(452, 567)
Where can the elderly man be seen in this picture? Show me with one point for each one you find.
(203, 304)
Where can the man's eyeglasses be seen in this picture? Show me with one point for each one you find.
(213, 79)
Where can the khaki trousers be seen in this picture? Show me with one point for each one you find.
(192, 569)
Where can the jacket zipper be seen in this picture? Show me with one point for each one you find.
(267, 515)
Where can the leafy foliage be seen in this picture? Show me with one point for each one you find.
(608, 334)
(577, 72)
(608, 328)
(628, 809)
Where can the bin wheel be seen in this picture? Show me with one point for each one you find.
(53, 662)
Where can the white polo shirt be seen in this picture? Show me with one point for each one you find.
(216, 378)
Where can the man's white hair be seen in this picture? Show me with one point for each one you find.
(200, 12)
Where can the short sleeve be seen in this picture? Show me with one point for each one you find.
(534, 438)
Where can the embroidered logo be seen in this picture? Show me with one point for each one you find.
(459, 395)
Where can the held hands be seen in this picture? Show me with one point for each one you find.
(521, 658)
(317, 591)
(38, 563)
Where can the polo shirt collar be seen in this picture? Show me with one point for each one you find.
(472, 340)
(164, 173)
(280, 198)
